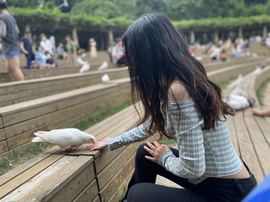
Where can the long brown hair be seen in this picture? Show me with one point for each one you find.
(156, 55)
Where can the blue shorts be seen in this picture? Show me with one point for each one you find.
(12, 54)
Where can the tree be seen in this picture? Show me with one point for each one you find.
(25, 3)
(105, 8)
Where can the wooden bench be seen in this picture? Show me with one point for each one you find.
(76, 176)
(40, 73)
(231, 62)
(19, 121)
(57, 176)
(15, 92)
(251, 134)
(228, 73)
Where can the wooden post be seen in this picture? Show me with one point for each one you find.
(75, 35)
(110, 37)
(216, 38)
(264, 32)
(240, 32)
(192, 37)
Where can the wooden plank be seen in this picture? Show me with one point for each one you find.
(261, 147)
(16, 182)
(121, 191)
(91, 105)
(32, 90)
(74, 183)
(265, 128)
(224, 74)
(25, 166)
(23, 111)
(108, 191)
(245, 147)
(3, 146)
(88, 194)
(107, 174)
(41, 179)
(97, 199)
(46, 122)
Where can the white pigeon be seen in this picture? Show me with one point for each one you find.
(105, 78)
(64, 137)
(85, 68)
(85, 65)
(237, 102)
(104, 65)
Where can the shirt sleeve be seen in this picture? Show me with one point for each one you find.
(136, 134)
(189, 136)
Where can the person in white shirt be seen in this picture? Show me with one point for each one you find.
(46, 44)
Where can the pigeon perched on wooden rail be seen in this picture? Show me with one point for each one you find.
(68, 137)
(104, 65)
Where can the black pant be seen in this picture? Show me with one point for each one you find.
(142, 188)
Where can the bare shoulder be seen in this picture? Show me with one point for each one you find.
(178, 92)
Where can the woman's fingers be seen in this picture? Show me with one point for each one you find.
(151, 146)
(156, 144)
(149, 150)
(150, 158)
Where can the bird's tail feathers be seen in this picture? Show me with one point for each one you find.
(37, 139)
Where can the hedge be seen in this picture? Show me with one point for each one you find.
(54, 18)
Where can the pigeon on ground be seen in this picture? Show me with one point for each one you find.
(68, 137)
(105, 78)
(104, 65)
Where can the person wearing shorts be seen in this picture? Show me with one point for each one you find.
(9, 32)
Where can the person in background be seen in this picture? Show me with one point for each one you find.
(267, 41)
(71, 47)
(42, 59)
(222, 55)
(60, 51)
(26, 48)
(50, 60)
(215, 53)
(117, 52)
(46, 44)
(9, 32)
(93, 48)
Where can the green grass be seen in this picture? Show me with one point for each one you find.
(16, 158)
(224, 84)
(86, 123)
(260, 92)
(167, 141)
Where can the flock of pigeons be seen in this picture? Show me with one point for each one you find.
(85, 67)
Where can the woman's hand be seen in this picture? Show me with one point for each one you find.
(97, 145)
(155, 150)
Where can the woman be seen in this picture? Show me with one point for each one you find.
(179, 102)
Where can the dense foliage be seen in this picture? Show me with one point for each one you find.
(100, 14)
